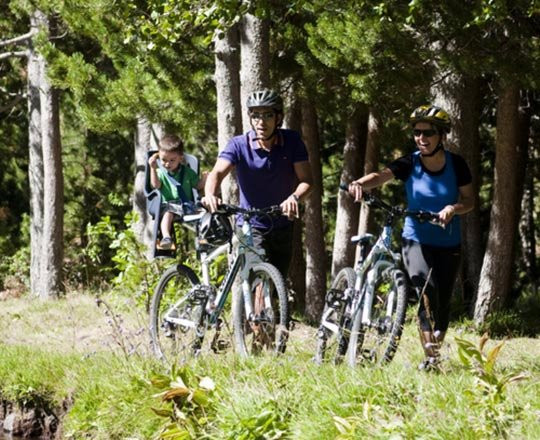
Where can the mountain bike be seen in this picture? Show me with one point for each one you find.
(184, 308)
(365, 306)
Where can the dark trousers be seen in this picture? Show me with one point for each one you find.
(277, 244)
(444, 262)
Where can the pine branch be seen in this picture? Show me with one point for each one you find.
(18, 40)
(20, 53)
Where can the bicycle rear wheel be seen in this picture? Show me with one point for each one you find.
(333, 333)
(176, 315)
(268, 330)
(377, 341)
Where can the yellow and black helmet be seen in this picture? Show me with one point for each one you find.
(432, 114)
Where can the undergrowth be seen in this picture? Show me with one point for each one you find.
(122, 392)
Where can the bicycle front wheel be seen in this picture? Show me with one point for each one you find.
(377, 340)
(176, 314)
(268, 328)
(333, 333)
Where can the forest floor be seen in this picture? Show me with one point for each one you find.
(81, 323)
(75, 349)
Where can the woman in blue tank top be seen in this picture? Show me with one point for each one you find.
(439, 181)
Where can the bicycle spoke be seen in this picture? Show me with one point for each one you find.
(334, 332)
(267, 328)
(377, 341)
(177, 316)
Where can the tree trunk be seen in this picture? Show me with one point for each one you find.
(460, 96)
(526, 226)
(255, 59)
(347, 211)
(371, 164)
(497, 267)
(143, 227)
(52, 245)
(315, 249)
(229, 108)
(297, 270)
(35, 164)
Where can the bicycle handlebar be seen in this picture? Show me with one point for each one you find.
(274, 210)
(421, 216)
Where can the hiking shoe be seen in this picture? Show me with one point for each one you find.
(166, 243)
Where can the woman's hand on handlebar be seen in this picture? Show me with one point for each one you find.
(446, 214)
(211, 202)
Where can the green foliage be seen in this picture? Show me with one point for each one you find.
(119, 65)
(521, 319)
(269, 423)
(374, 55)
(131, 272)
(186, 403)
(15, 268)
(491, 418)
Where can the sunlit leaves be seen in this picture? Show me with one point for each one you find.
(185, 405)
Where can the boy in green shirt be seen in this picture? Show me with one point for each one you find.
(171, 154)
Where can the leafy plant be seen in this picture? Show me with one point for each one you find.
(269, 424)
(186, 406)
(134, 272)
(15, 268)
(488, 393)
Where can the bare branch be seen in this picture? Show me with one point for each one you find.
(58, 37)
(20, 53)
(18, 40)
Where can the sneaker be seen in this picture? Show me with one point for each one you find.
(429, 364)
(166, 243)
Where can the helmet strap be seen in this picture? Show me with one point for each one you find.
(435, 151)
(266, 138)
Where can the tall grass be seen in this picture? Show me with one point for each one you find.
(114, 395)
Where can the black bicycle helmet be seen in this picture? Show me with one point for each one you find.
(433, 114)
(215, 228)
(265, 98)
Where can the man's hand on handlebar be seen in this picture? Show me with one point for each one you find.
(289, 207)
(211, 202)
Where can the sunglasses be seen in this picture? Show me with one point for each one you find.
(262, 116)
(427, 133)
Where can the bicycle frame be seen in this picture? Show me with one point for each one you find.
(367, 269)
(245, 257)
(380, 258)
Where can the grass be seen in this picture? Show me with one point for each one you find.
(65, 351)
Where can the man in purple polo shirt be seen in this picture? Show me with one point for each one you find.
(272, 168)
